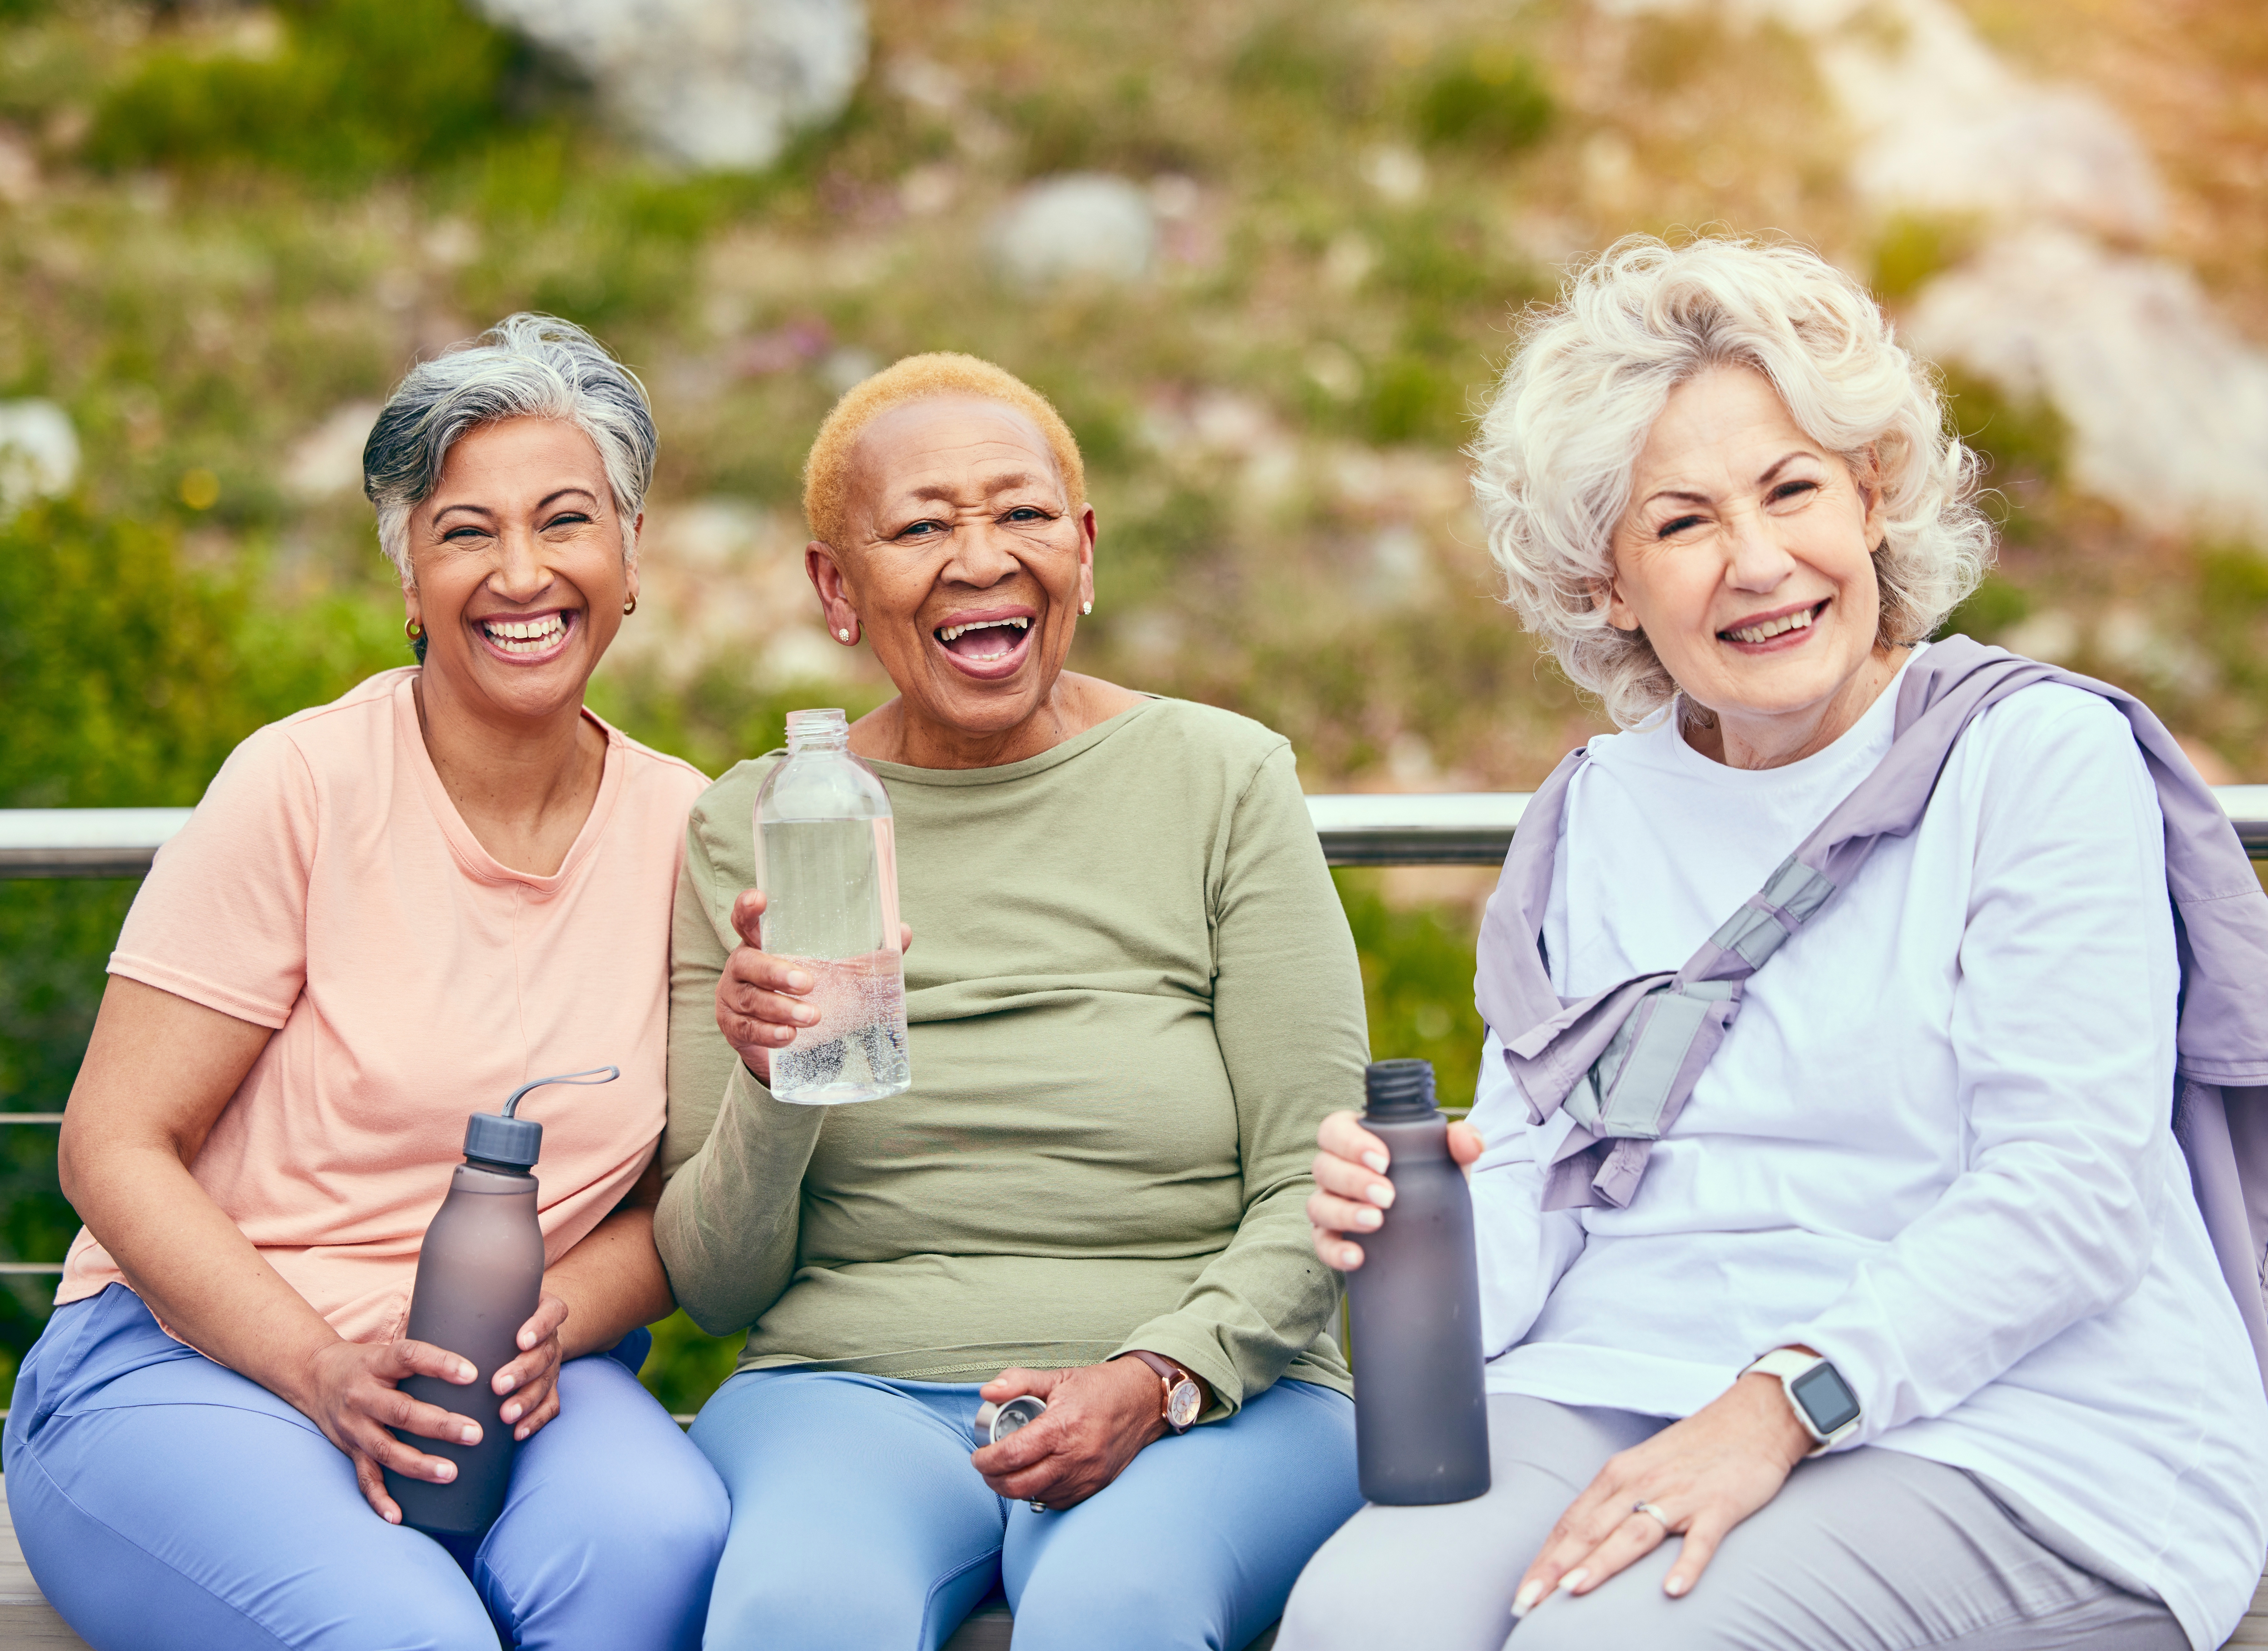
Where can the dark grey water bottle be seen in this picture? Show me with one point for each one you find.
(1420, 1414)
(479, 1274)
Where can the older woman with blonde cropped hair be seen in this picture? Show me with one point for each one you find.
(1134, 1001)
(1842, 1287)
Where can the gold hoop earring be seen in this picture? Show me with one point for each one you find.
(413, 628)
(629, 608)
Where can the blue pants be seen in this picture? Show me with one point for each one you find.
(164, 1500)
(858, 1523)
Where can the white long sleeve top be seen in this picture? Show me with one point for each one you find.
(1935, 1145)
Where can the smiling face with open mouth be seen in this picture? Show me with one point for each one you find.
(517, 568)
(968, 568)
(1744, 557)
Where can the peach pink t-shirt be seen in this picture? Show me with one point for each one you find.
(326, 887)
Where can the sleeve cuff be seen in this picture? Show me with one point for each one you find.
(1198, 1354)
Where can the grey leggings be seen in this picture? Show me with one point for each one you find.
(1864, 1550)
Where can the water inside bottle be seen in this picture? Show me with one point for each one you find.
(832, 909)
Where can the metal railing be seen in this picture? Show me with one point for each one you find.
(1357, 828)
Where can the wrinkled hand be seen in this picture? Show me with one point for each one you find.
(759, 1005)
(1351, 1186)
(350, 1391)
(1098, 1419)
(534, 1377)
(1707, 1474)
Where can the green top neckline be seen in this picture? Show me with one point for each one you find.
(905, 773)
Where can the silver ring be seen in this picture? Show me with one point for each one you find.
(1037, 1506)
(1653, 1513)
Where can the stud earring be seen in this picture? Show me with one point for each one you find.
(844, 635)
(1087, 607)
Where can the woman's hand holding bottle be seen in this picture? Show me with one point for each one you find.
(760, 997)
(1352, 1191)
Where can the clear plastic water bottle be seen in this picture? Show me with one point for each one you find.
(828, 864)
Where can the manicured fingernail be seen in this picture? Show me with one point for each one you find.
(521, 1436)
(1376, 1160)
(807, 1017)
(1676, 1586)
(447, 1471)
(466, 1373)
(798, 981)
(1525, 1600)
(1381, 1194)
(1573, 1580)
(469, 1433)
(1367, 1217)
(505, 1384)
(510, 1413)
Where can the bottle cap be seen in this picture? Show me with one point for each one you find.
(514, 1142)
(1396, 1089)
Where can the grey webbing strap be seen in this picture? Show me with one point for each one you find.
(1785, 903)
(1639, 1072)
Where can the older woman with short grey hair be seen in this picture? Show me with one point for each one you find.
(1842, 1285)
(386, 913)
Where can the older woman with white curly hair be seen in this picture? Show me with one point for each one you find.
(1868, 1271)
(388, 912)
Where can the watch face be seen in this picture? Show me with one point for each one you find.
(1826, 1399)
(1182, 1403)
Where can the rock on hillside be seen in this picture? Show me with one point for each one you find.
(719, 84)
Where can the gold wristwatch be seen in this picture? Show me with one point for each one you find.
(1182, 1397)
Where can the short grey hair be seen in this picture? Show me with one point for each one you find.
(525, 366)
(1561, 436)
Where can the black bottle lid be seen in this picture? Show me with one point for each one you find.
(1397, 1089)
(511, 1142)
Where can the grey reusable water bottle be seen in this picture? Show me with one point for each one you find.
(480, 1274)
(1420, 1414)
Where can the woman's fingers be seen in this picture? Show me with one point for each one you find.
(1702, 1533)
(747, 908)
(536, 1404)
(1349, 1180)
(1465, 1142)
(1343, 1215)
(373, 1483)
(403, 1358)
(1334, 1251)
(1635, 1536)
(542, 1324)
(1343, 1136)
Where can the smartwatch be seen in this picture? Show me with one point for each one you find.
(1182, 1397)
(1822, 1400)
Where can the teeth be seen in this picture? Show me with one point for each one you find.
(949, 632)
(1764, 632)
(524, 636)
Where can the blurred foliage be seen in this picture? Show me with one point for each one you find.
(352, 89)
(1911, 248)
(1991, 609)
(1417, 982)
(1484, 97)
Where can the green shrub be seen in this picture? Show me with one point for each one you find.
(1483, 99)
(359, 88)
(1988, 610)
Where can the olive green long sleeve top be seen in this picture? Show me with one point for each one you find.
(1131, 998)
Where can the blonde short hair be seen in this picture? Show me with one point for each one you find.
(1562, 435)
(827, 471)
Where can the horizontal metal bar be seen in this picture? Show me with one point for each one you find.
(50, 1269)
(83, 842)
(1357, 828)
(48, 1118)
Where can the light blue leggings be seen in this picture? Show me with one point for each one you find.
(166, 1501)
(858, 1523)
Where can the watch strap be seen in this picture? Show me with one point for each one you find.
(1170, 1377)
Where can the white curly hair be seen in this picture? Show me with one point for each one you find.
(1562, 434)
